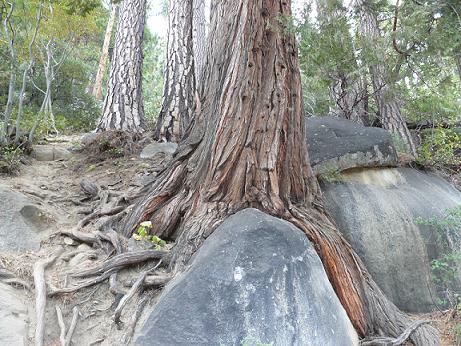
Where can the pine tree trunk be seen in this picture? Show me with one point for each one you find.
(179, 87)
(348, 91)
(387, 101)
(199, 38)
(247, 148)
(123, 106)
(97, 89)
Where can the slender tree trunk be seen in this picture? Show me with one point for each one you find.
(26, 72)
(179, 87)
(247, 148)
(10, 37)
(458, 65)
(123, 106)
(387, 101)
(97, 89)
(199, 38)
(347, 90)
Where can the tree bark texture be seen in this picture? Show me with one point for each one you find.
(386, 99)
(179, 88)
(123, 106)
(97, 90)
(348, 91)
(199, 38)
(247, 148)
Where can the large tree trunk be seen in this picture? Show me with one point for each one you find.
(348, 91)
(97, 89)
(179, 87)
(386, 99)
(199, 38)
(247, 148)
(123, 106)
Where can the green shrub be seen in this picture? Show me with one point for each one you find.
(10, 159)
(445, 269)
(440, 147)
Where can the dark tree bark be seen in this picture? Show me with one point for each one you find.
(179, 87)
(246, 148)
(123, 106)
(386, 99)
(348, 91)
(97, 89)
(199, 38)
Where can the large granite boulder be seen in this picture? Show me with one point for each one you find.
(376, 209)
(13, 317)
(20, 222)
(341, 144)
(255, 278)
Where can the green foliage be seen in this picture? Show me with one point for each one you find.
(446, 269)
(10, 159)
(331, 175)
(440, 147)
(142, 233)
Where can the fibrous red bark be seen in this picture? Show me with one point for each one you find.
(246, 148)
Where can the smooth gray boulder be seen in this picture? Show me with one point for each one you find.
(255, 278)
(13, 317)
(341, 144)
(153, 149)
(376, 210)
(49, 153)
(20, 222)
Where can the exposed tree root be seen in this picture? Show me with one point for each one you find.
(62, 326)
(133, 290)
(120, 261)
(380, 341)
(126, 339)
(40, 296)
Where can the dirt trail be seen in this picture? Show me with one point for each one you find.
(55, 187)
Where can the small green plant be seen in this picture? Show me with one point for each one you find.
(331, 175)
(10, 159)
(142, 233)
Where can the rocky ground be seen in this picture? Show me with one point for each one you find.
(52, 201)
